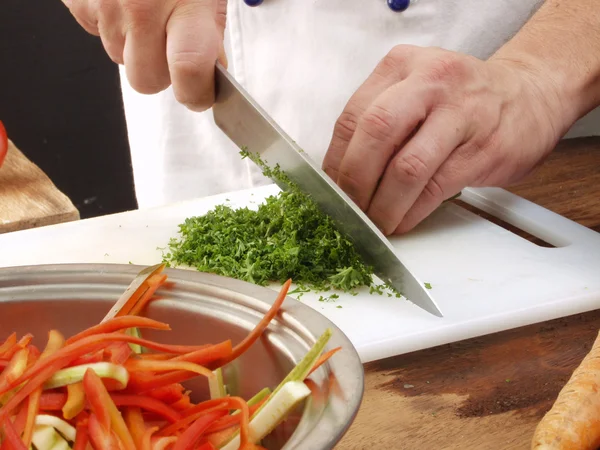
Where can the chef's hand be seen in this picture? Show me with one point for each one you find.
(428, 123)
(161, 42)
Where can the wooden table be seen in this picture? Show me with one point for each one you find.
(489, 392)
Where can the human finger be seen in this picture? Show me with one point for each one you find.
(411, 172)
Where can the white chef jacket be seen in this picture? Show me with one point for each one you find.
(301, 60)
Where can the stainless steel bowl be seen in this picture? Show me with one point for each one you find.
(201, 308)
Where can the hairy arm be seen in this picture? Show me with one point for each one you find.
(560, 45)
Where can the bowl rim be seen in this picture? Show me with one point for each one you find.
(303, 319)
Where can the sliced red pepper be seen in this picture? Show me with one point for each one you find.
(8, 344)
(100, 438)
(163, 443)
(52, 401)
(323, 358)
(154, 282)
(257, 331)
(3, 364)
(147, 404)
(94, 357)
(120, 324)
(16, 367)
(42, 370)
(192, 434)
(141, 384)
(118, 352)
(3, 143)
(56, 341)
(82, 438)
(105, 409)
(75, 401)
(206, 446)
(168, 394)
(33, 407)
(12, 437)
(20, 419)
(135, 423)
(182, 404)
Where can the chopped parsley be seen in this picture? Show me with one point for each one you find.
(427, 285)
(287, 236)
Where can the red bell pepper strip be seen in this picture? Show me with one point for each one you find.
(233, 420)
(104, 408)
(75, 401)
(8, 344)
(154, 282)
(12, 437)
(118, 352)
(182, 404)
(119, 324)
(3, 143)
(16, 367)
(323, 358)
(206, 446)
(258, 330)
(33, 407)
(3, 364)
(147, 404)
(135, 423)
(141, 384)
(52, 401)
(95, 357)
(82, 438)
(163, 443)
(192, 434)
(23, 343)
(101, 438)
(20, 419)
(168, 394)
(56, 341)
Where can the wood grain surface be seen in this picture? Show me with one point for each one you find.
(489, 392)
(28, 198)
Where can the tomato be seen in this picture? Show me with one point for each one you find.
(3, 143)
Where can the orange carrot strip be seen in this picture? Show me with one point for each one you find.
(258, 330)
(140, 365)
(81, 435)
(231, 420)
(192, 434)
(155, 356)
(147, 404)
(133, 292)
(323, 358)
(119, 324)
(154, 282)
(135, 423)
(208, 354)
(23, 343)
(16, 368)
(198, 411)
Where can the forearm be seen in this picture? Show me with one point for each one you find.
(560, 46)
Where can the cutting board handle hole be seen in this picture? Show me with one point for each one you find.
(501, 223)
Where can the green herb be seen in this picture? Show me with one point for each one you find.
(427, 285)
(288, 236)
(339, 306)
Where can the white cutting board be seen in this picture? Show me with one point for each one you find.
(483, 277)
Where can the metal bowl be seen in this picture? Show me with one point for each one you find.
(201, 308)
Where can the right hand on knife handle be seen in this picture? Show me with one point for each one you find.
(161, 42)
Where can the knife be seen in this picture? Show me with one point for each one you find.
(250, 127)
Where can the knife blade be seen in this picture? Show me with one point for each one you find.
(238, 115)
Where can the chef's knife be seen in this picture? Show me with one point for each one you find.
(249, 127)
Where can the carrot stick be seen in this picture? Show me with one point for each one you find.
(81, 437)
(118, 324)
(258, 330)
(140, 365)
(323, 358)
(154, 282)
(573, 422)
(135, 423)
(147, 404)
(12, 437)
